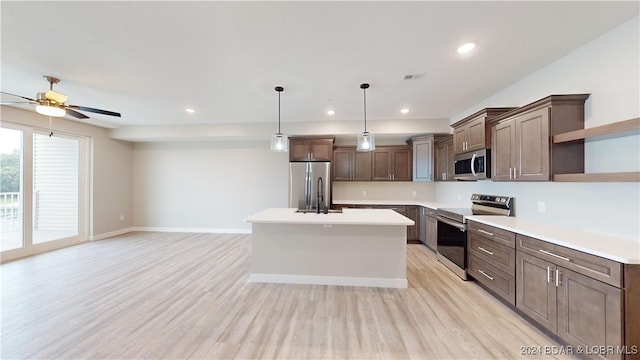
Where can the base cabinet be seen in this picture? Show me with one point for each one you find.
(492, 259)
(413, 232)
(581, 311)
(432, 232)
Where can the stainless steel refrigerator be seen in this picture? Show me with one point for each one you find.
(304, 182)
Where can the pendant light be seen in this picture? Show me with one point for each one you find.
(279, 141)
(366, 140)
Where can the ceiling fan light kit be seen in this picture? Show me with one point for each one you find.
(48, 110)
(279, 141)
(366, 140)
(52, 103)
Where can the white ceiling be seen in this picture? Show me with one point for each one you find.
(150, 60)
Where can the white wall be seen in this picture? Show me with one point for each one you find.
(111, 187)
(609, 69)
(384, 190)
(210, 187)
(213, 186)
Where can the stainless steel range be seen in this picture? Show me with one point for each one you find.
(452, 228)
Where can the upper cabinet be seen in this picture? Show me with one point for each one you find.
(431, 160)
(521, 144)
(311, 148)
(392, 163)
(351, 165)
(444, 159)
(423, 158)
(473, 132)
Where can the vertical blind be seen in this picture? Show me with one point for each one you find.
(55, 182)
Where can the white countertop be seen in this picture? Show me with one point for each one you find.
(610, 247)
(347, 217)
(429, 204)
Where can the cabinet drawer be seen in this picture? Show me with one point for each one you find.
(498, 235)
(595, 267)
(501, 283)
(498, 255)
(431, 212)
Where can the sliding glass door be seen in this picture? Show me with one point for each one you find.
(56, 171)
(43, 195)
(11, 189)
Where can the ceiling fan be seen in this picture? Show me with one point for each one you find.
(52, 103)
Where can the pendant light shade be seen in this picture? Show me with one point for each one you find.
(279, 141)
(366, 140)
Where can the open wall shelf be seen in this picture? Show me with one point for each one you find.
(617, 129)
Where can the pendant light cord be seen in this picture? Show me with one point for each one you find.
(279, 112)
(364, 90)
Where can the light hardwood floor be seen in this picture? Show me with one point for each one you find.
(179, 295)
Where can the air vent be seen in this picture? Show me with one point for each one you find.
(413, 77)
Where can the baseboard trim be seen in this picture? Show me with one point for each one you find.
(111, 234)
(168, 229)
(328, 280)
(191, 230)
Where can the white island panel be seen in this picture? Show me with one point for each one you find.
(315, 251)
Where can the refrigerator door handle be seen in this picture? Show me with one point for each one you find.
(307, 190)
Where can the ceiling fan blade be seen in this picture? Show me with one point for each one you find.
(14, 102)
(97, 111)
(76, 114)
(18, 96)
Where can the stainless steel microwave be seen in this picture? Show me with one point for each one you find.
(475, 165)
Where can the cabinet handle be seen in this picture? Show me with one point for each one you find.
(485, 250)
(558, 280)
(515, 173)
(510, 173)
(486, 275)
(554, 255)
(548, 274)
(486, 232)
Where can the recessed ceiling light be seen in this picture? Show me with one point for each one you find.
(331, 112)
(405, 110)
(190, 110)
(465, 48)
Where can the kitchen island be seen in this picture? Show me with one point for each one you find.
(355, 247)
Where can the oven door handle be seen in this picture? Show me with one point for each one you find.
(459, 226)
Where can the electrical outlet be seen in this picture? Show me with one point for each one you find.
(459, 196)
(364, 193)
(413, 193)
(121, 217)
(542, 208)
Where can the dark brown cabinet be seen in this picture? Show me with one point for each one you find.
(311, 148)
(427, 161)
(577, 296)
(492, 259)
(522, 148)
(413, 232)
(392, 163)
(444, 159)
(432, 230)
(473, 132)
(351, 165)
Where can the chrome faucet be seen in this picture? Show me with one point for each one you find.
(320, 196)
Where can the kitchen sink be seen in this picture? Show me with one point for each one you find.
(313, 211)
